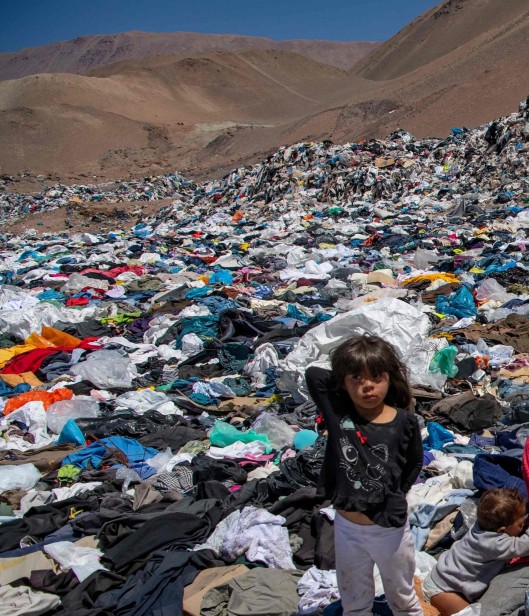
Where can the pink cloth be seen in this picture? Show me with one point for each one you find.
(525, 465)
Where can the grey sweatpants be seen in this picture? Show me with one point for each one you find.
(358, 548)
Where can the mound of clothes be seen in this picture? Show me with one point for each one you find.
(160, 451)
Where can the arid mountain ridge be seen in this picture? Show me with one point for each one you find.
(84, 54)
(464, 62)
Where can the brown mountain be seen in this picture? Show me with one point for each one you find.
(86, 53)
(465, 62)
(487, 29)
(161, 112)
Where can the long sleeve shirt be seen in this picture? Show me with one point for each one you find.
(469, 566)
(368, 467)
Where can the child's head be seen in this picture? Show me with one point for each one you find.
(371, 357)
(502, 510)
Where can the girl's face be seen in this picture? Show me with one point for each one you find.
(367, 392)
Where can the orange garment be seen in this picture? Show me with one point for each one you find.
(46, 397)
(58, 338)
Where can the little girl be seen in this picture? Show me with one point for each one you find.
(374, 455)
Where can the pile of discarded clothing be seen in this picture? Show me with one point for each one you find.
(14, 205)
(160, 452)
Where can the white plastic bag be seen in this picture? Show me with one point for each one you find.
(422, 259)
(83, 561)
(490, 289)
(392, 319)
(23, 477)
(60, 412)
(106, 369)
(278, 432)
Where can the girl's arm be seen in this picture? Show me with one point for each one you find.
(414, 459)
(318, 381)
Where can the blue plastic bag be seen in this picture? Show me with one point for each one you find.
(459, 304)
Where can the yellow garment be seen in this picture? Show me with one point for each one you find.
(48, 338)
(432, 277)
(446, 335)
(8, 354)
(25, 377)
(38, 341)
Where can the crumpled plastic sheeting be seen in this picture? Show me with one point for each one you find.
(22, 476)
(20, 315)
(32, 415)
(106, 369)
(399, 323)
(255, 533)
(265, 357)
(83, 561)
(146, 399)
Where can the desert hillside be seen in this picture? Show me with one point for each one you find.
(159, 112)
(87, 53)
(449, 27)
(462, 63)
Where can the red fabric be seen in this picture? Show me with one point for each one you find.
(519, 560)
(115, 271)
(78, 301)
(32, 360)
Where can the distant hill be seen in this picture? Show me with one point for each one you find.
(87, 53)
(488, 29)
(159, 112)
(462, 63)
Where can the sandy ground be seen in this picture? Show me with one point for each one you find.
(98, 218)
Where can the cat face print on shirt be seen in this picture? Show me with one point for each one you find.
(364, 464)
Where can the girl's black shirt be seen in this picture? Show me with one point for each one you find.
(368, 467)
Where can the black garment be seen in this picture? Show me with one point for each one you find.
(38, 522)
(238, 325)
(282, 333)
(202, 371)
(157, 589)
(82, 388)
(368, 467)
(255, 492)
(302, 470)
(301, 511)
(174, 531)
(87, 329)
(205, 468)
(173, 437)
(57, 583)
(80, 601)
(127, 423)
(467, 412)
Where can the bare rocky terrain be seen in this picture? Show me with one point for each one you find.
(202, 112)
(87, 53)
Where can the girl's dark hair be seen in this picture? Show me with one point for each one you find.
(499, 507)
(371, 356)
